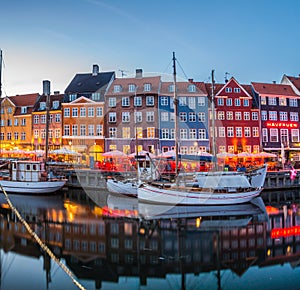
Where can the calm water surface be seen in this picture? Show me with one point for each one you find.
(110, 242)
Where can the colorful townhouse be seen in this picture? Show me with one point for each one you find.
(131, 114)
(279, 108)
(16, 122)
(39, 116)
(83, 113)
(192, 117)
(236, 118)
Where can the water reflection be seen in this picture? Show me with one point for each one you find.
(114, 237)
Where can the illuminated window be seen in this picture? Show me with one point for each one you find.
(263, 100)
(126, 132)
(150, 132)
(255, 132)
(282, 101)
(295, 135)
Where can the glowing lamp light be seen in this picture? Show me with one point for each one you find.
(285, 232)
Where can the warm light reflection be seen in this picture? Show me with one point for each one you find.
(198, 222)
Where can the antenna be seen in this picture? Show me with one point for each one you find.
(123, 72)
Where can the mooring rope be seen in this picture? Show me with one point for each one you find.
(40, 242)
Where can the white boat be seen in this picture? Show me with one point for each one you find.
(210, 188)
(30, 177)
(127, 187)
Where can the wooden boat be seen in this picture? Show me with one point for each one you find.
(127, 187)
(30, 177)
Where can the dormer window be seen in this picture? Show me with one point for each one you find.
(191, 88)
(131, 88)
(55, 104)
(147, 87)
(228, 90)
(42, 105)
(23, 110)
(237, 90)
(117, 88)
(171, 88)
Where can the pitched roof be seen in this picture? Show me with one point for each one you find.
(89, 82)
(182, 89)
(294, 80)
(42, 98)
(27, 100)
(274, 89)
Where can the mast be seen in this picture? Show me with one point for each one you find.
(175, 101)
(213, 133)
(0, 98)
(46, 92)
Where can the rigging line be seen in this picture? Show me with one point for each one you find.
(182, 69)
(167, 67)
(40, 242)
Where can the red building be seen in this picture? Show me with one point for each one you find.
(236, 118)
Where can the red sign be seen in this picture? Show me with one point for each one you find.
(285, 232)
(282, 125)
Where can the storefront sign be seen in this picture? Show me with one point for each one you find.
(282, 125)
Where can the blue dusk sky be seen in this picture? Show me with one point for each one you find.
(252, 40)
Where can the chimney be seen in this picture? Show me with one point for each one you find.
(138, 73)
(46, 88)
(95, 69)
(274, 82)
(56, 92)
(190, 80)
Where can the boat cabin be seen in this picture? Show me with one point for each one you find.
(31, 171)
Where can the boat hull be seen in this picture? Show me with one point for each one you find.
(153, 194)
(120, 187)
(24, 187)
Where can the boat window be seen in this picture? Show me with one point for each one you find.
(28, 167)
(34, 167)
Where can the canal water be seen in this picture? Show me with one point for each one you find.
(82, 239)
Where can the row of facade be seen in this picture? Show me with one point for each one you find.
(98, 112)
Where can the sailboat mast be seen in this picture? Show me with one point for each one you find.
(46, 92)
(213, 133)
(175, 101)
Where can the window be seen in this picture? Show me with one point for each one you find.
(246, 102)
(139, 132)
(202, 134)
(182, 117)
(263, 100)
(191, 88)
(183, 133)
(147, 87)
(228, 90)
(91, 112)
(201, 117)
(293, 102)
(246, 116)
(165, 133)
(112, 117)
(55, 105)
(247, 132)
(57, 118)
(112, 102)
(172, 117)
(229, 115)
(75, 130)
(96, 96)
(23, 122)
(66, 112)
(72, 97)
(16, 136)
(237, 90)
(230, 132)
(43, 119)
(221, 115)
(164, 101)
(117, 88)
(237, 102)
(182, 101)
(99, 112)
(201, 101)
(238, 115)
(99, 130)
(284, 135)
(126, 132)
(294, 116)
(57, 133)
(82, 112)
(125, 117)
(67, 130)
(138, 101)
(295, 135)
(283, 116)
(23, 110)
(42, 106)
(138, 117)
(150, 101)
(23, 136)
(273, 115)
(282, 101)
(82, 130)
(74, 112)
(192, 102)
(150, 132)
(265, 135)
(125, 102)
(193, 134)
(254, 116)
(238, 131)
(220, 102)
(229, 102)
(255, 132)
(221, 131)
(150, 116)
(35, 119)
(131, 88)
(183, 150)
(112, 132)
(36, 133)
(171, 88)
(273, 135)
(192, 117)
(264, 115)
(164, 116)
(272, 101)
